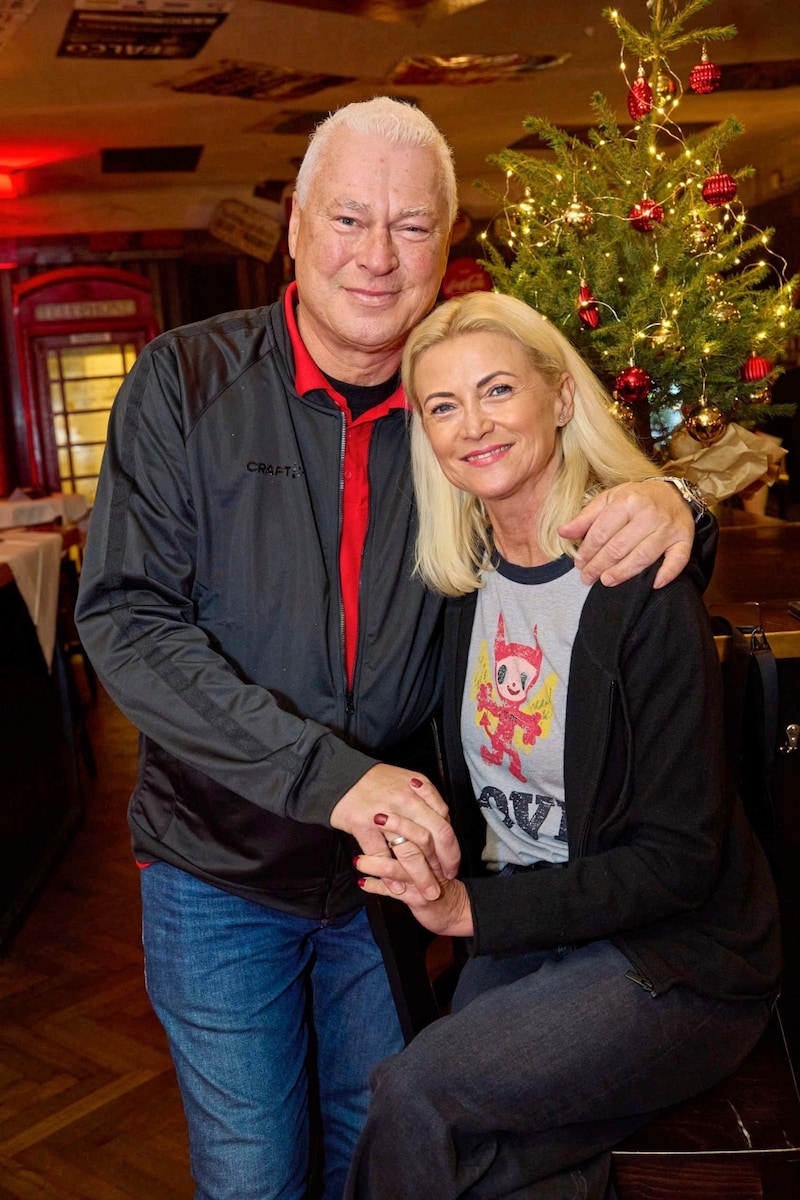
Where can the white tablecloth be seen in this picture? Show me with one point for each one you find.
(65, 506)
(35, 561)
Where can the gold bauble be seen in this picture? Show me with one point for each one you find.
(706, 423)
(762, 396)
(623, 413)
(663, 333)
(577, 216)
(665, 87)
(701, 238)
(723, 311)
(665, 338)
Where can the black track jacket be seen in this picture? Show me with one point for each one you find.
(211, 606)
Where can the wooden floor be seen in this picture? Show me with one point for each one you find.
(89, 1107)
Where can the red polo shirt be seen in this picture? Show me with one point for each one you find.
(355, 478)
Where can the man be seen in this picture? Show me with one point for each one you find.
(247, 600)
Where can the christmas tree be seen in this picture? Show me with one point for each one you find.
(635, 244)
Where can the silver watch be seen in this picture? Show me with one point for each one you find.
(689, 491)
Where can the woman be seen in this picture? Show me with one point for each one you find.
(623, 937)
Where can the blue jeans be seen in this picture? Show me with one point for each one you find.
(250, 998)
(548, 1060)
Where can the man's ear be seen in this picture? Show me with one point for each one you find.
(294, 224)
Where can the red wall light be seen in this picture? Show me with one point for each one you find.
(12, 183)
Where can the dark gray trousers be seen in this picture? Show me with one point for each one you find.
(546, 1063)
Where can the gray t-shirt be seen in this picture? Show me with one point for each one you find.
(514, 707)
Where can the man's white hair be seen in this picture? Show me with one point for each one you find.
(397, 122)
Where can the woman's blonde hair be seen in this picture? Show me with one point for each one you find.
(454, 543)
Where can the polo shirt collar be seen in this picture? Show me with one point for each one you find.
(307, 375)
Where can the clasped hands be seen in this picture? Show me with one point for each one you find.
(389, 803)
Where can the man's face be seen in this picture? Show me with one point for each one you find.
(370, 248)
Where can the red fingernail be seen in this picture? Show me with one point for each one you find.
(380, 818)
(361, 882)
(416, 783)
(355, 860)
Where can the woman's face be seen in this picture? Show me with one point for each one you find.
(491, 418)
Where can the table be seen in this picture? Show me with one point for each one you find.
(34, 559)
(782, 629)
(59, 506)
(758, 560)
(757, 573)
(40, 797)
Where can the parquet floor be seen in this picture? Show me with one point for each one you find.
(89, 1106)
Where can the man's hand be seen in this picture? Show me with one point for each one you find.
(389, 802)
(627, 528)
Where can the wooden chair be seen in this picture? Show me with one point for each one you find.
(739, 1141)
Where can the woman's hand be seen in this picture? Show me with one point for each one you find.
(388, 802)
(627, 528)
(450, 913)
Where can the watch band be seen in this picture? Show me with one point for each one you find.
(688, 490)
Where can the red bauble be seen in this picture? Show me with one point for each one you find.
(588, 312)
(719, 189)
(632, 385)
(756, 369)
(640, 97)
(645, 214)
(705, 77)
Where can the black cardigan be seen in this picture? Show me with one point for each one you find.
(662, 861)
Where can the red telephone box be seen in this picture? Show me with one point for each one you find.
(78, 332)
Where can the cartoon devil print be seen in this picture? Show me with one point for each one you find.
(514, 717)
(516, 669)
